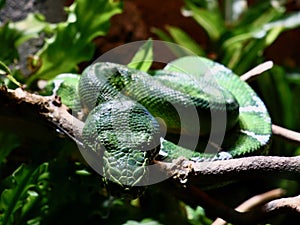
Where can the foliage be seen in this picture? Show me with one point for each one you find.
(239, 43)
(66, 44)
(28, 184)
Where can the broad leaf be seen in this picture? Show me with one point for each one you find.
(93, 17)
(71, 43)
(62, 53)
(8, 48)
(211, 21)
(27, 185)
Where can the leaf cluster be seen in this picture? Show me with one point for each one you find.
(65, 44)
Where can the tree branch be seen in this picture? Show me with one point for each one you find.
(204, 174)
(48, 108)
(254, 202)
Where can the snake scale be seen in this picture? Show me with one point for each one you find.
(128, 109)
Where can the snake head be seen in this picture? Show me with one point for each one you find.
(127, 137)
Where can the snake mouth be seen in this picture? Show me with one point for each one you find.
(124, 191)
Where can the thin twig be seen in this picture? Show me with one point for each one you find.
(253, 202)
(260, 199)
(286, 134)
(256, 71)
(267, 210)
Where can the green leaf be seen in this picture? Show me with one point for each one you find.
(62, 53)
(146, 221)
(272, 35)
(210, 20)
(72, 41)
(294, 77)
(197, 216)
(65, 86)
(252, 51)
(27, 185)
(93, 17)
(5, 71)
(13, 35)
(290, 21)
(233, 55)
(2, 3)
(275, 84)
(8, 39)
(257, 15)
(237, 39)
(161, 34)
(179, 52)
(285, 96)
(8, 142)
(255, 29)
(265, 17)
(184, 40)
(30, 27)
(143, 58)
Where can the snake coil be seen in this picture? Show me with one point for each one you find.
(123, 104)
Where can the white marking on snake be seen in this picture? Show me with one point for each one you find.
(57, 84)
(258, 107)
(262, 138)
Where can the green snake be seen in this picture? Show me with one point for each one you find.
(129, 111)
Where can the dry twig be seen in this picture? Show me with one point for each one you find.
(256, 71)
(286, 134)
(258, 215)
(253, 202)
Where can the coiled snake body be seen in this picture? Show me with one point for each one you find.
(124, 105)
